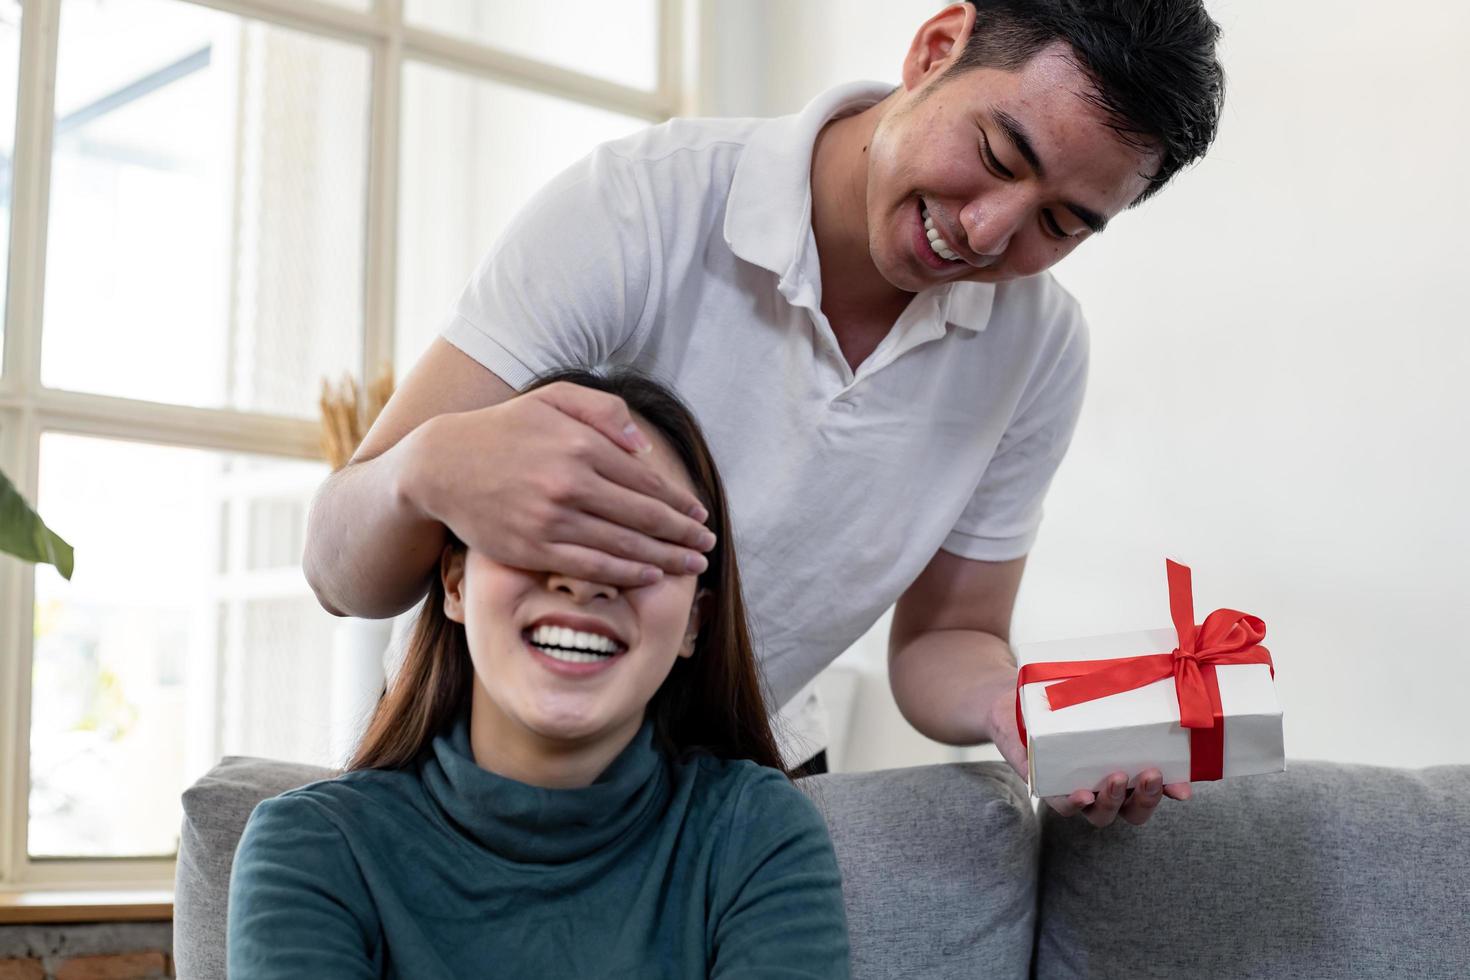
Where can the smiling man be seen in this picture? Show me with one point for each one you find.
(854, 301)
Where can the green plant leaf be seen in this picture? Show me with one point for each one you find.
(24, 535)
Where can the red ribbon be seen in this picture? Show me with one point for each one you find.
(1226, 637)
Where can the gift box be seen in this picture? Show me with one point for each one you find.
(1196, 702)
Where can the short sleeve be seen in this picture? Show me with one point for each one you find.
(568, 281)
(1002, 518)
(779, 898)
(298, 904)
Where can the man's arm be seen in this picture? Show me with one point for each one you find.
(369, 548)
(949, 656)
(954, 677)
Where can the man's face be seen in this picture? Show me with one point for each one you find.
(1009, 168)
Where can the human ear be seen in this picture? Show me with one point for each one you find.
(451, 571)
(937, 39)
(697, 612)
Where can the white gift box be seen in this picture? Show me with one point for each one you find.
(1079, 746)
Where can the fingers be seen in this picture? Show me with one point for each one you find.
(1113, 799)
(620, 542)
(1147, 792)
(1104, 810)
(1072, 805)
(609, 415)
(636, 497)
(605, 412)
(598, 566)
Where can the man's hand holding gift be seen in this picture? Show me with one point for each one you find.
(1101, 805)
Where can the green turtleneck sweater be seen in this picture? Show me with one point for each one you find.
(661, 868)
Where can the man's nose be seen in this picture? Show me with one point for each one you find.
(990, 223)
(581, 590)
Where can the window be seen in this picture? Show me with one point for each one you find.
(9, 69)
(215, 207)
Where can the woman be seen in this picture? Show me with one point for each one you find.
(565, 779)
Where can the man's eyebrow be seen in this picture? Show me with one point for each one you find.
(1017, 133)
(1018, 136)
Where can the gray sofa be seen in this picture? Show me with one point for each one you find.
(1324, 871)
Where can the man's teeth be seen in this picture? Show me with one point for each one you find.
(573, 646)
(936, 241)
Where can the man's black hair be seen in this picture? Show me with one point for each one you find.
(1152, 63)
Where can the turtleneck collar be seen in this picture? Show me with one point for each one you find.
(530, 824)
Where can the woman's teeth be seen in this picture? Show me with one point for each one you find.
(573, 646)
(572, 656)
(936, 241)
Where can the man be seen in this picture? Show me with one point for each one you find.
(853, 301)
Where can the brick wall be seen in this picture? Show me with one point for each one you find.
(87, 951)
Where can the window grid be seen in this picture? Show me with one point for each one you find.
(27, 409)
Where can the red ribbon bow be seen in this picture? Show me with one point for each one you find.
(1227, 636)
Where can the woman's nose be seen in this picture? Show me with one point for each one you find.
(581, 590)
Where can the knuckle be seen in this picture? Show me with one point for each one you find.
(627, 542)
(582, 446)
(551, 521)
(667, 523)
(559, 489)
(611, 408)
(545, 394)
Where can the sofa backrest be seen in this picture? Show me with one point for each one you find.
(938, 869)
(964, 835)
(215, 810)
(1325, 870)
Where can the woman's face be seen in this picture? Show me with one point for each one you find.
(566, 659)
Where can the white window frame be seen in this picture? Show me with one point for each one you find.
(28, 409)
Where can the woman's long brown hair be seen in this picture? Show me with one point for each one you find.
(711, 701)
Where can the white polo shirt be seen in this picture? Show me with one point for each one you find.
(686, 250)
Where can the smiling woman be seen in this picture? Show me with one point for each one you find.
(565, 778)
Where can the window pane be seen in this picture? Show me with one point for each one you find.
(207, 208)
(616, 41)
(457, 130)
(9, 72)
(186, 632)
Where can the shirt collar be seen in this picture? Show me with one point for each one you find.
(530, 824)
(768, 212)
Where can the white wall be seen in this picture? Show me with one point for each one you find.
(1278, 347)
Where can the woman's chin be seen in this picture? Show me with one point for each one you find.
(573, 727)
(570, 733)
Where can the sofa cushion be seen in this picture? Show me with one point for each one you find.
(1325, 870)
(215, 810)
(938, 869)
(965, 837)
